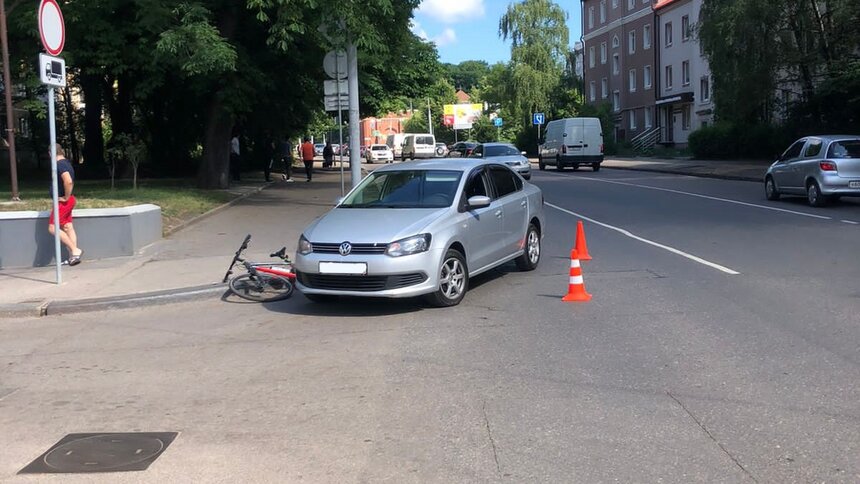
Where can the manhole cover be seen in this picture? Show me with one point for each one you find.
(110, 452)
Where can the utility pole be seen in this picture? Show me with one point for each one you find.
(429, 117)
(354, 121)
(10, 114)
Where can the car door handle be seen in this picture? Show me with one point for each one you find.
(499, 213)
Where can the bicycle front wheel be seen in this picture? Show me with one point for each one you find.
(261, 287)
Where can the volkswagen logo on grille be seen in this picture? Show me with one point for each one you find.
(345, 248)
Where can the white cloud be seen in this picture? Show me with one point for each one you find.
(447, 37)
(451, 11)
(416, 29)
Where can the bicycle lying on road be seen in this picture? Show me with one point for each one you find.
(263, 281)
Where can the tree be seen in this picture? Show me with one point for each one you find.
(467, 74)
(539, 49)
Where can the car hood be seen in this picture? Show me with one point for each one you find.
(371, 225)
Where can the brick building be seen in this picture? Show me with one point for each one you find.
(619, 61)
(375, 130)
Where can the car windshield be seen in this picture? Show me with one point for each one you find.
(500, 150)
(845, 149)
(379, 148)
(405, 189)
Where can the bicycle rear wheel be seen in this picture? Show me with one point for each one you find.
(261, 287)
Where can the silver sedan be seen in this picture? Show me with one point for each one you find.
(504, 153)
(422, 228)
(823, 168)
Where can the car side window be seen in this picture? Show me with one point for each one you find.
(477, 185)
(478, 152)
(794, 150)
(504, 180)
(813, 149)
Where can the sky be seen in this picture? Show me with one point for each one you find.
(469, 29)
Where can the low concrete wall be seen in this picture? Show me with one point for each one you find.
(102, 232)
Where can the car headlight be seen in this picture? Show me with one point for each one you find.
(408, 246)
(305, 247)
(524, 162)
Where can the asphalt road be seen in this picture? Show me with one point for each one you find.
(722, 345)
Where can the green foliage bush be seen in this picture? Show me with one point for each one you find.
(733, 141)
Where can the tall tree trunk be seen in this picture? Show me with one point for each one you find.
(94, 153)
(70, 124)
(216, 147)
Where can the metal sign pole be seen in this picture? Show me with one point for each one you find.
(339, 127)
(56, 203)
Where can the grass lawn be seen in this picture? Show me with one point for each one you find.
(178, 198)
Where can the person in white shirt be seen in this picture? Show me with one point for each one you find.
(235, 167)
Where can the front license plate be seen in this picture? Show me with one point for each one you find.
(854, 184)
(351, 268)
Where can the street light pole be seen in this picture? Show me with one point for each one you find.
(10, 115)
(354, 128)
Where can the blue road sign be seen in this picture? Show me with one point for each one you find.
(498, 122)
(538, 118)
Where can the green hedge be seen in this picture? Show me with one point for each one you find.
(734, 141)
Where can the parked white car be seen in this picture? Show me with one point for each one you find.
(376, 153)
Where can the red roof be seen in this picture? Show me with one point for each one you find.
(663, 3)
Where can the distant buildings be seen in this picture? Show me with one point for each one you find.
(643, 59)
(376, 130)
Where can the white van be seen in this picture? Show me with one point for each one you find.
(419, 146)
(572, 142)
(395, 142)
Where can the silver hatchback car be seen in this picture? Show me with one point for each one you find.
(823, 168)
(422, 228)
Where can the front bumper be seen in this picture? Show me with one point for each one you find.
(393, 277)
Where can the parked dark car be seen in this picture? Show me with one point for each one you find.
(462, 149)
(823, 168)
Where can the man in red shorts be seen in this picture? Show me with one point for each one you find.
(66, 182)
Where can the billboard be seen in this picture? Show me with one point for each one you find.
(461, 116)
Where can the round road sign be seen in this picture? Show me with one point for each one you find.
(334, 64)
(52, 29)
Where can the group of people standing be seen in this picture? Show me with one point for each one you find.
(283, 151)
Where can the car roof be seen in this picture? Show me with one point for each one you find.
(833, 137)
(458, 164)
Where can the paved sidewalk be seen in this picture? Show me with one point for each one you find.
(725, 169)
(191, 257)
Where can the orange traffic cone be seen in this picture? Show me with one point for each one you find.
(576, 287)
(581, 247)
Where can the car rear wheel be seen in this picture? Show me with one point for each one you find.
(595, 166)
(528, 261)
(541, 166)
(814, 196)
(558, 165)
(453, 281)
(770, 190)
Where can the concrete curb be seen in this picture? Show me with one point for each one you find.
(23, 310)
(156, 298)
(688, 173)
(216, 210)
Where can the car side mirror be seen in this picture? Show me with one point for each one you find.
(523, 153)
(338, 200)
(478, 201)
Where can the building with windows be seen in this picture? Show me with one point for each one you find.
(684, 86)
(619, 62)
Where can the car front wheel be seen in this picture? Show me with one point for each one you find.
(453, 281)
(541, 166)
(530, 257)
(770, 190)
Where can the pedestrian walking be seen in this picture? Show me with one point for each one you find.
(235, 159)
(67, 201)
(308, 157)
(328, 155)
(268, 158)
(285, 152)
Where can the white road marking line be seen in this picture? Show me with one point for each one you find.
(649, 242)
(708, 197)
(850, 222)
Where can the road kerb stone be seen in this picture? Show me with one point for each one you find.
(155, 298)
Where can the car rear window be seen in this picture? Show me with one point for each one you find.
(502, 150)
(844, 149)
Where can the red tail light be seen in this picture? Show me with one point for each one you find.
(601, 147)
(564, 149)
(827, 166)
